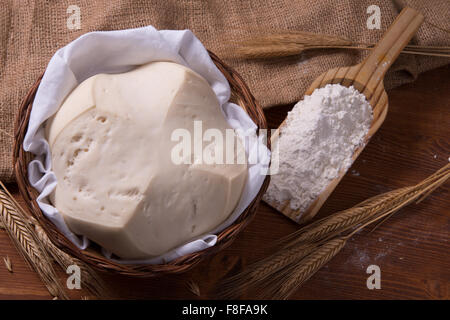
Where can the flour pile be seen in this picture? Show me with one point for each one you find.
(317, 142)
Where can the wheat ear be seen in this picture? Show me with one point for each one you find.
(288, 43)
(349, 218)
(279, 275)
(28, 244)
(89, 278)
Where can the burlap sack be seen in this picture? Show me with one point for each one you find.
(31, 31)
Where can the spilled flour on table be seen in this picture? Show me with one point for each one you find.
(316, 143)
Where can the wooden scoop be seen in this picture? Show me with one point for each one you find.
(367, 78)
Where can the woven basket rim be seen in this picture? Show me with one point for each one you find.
(240, 92)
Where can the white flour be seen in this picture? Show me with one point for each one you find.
(317, 142)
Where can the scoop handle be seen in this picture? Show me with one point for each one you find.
(400, 32)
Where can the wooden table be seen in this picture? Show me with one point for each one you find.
(412, 249)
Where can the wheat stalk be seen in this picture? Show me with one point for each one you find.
(261, 272)
(289, 43)
(280, 274)
(295, 275)
(89, 278)
(307, 267)
(346, 219)
(28, 244)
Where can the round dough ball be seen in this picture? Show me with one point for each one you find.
(112, 144)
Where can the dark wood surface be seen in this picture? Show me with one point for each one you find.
(412, 249)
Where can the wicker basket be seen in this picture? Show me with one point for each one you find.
(240, 95)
